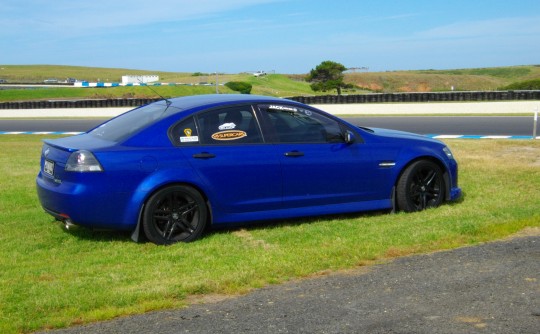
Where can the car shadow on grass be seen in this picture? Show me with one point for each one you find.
(99, 235)
(289, 222)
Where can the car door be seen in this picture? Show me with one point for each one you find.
(240, 172)
(319, 167)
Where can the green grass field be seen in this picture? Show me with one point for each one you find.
(281, 85)
(53, 278)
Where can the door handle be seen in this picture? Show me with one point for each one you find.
(204, 155)
(294, 154)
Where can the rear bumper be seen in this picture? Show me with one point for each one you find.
(86, 206)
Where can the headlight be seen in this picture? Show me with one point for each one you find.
(83, 161)
(448, 153)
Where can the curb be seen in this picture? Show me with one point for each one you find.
(477, 137)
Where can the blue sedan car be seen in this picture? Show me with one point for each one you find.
(171, 168)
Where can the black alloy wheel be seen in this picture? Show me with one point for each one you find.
(421, 186)
(175, 214)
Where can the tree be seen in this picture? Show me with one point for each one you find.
(328, 75)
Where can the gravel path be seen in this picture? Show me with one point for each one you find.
(490, 288)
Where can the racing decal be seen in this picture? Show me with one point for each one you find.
(284, 108)
(290, 109)
(227, 126)
(229, 135)
(188, 138)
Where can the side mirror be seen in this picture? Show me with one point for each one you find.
(349, 137)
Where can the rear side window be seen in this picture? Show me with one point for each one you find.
(185, 133)
(229, 126)
(128, 124)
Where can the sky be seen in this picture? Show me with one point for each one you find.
(281, 36)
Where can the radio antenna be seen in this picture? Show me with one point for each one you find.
(155, 92)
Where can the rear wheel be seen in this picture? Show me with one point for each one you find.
(173, 214)
(421, 186)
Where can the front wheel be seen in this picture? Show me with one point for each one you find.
(421, 186)
(173, 214)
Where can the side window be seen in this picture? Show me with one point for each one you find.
(185, 133)
(234, 125)
(292, 124)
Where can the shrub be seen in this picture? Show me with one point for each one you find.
(524, 85)
(240, 86)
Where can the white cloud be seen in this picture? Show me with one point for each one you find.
(99, 14)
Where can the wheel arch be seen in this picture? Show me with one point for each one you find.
(438, 162)
(138, 234)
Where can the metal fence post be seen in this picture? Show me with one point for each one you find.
(535, 122)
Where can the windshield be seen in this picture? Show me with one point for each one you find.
(127, 124)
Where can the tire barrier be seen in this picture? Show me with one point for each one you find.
(325, 99)
(421, 97)
(102, 103)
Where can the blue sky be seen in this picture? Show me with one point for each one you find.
(285, 36)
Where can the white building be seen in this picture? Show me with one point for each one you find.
(131, 79)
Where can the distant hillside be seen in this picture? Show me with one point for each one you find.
(481, 79)
(283, 85)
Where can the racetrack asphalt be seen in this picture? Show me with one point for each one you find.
(489, 288)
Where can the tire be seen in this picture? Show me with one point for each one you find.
(421, 186)
(175, 214)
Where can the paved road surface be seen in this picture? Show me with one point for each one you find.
(455, 125)
(491, 288)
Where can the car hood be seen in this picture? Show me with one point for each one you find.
(388, 133)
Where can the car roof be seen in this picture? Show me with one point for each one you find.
(195, 101)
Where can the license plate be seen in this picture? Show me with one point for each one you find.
(48, 167)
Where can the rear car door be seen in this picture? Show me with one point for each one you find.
(240, 171)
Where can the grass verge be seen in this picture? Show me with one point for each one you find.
(52, 278)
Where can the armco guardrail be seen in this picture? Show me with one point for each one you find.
(326, 99)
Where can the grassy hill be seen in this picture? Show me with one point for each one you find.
(273, 84)
(480, 79)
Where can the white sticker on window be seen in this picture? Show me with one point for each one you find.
(227, 126)
(284, 108)
(189, 139)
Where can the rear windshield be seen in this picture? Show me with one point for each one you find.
(126, 125)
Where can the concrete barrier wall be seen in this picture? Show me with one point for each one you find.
(438, 108)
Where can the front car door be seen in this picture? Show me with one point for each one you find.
(319, 168)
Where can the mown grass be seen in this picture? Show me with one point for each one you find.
(39, 73)
(271, 85)
(55, 93)
(51, 278)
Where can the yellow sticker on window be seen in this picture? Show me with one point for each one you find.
(229, 135)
